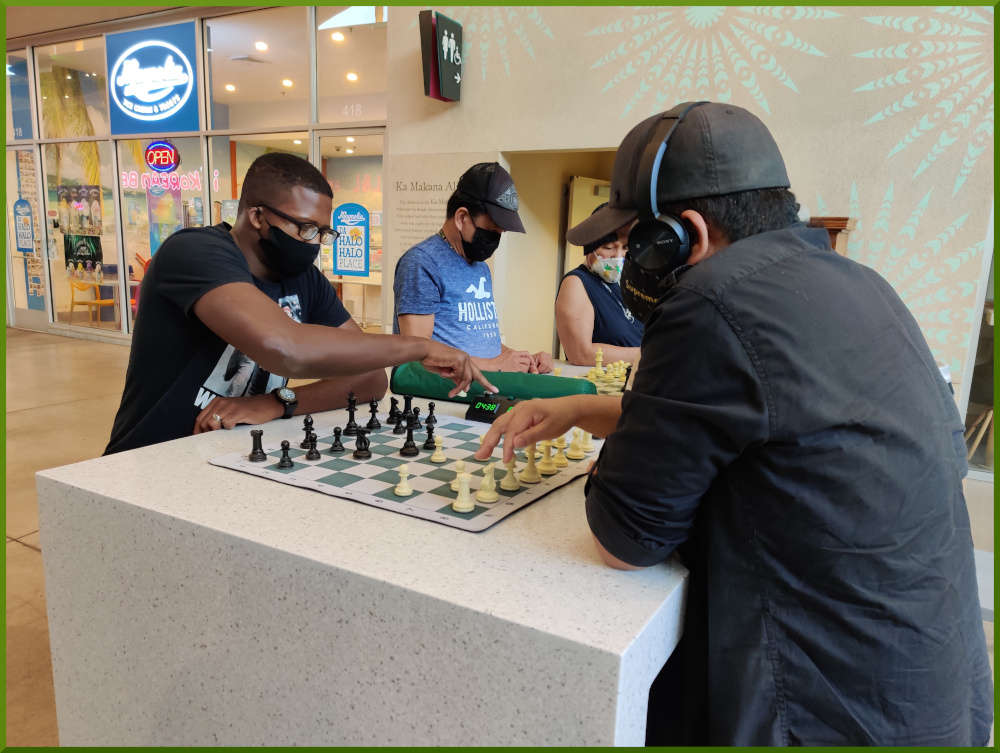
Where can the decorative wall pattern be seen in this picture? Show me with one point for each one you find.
(671, 55)
(882, 113)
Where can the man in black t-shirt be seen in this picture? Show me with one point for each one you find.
(789, 435)
(228, 314)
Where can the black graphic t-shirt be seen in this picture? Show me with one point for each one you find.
(177, 364)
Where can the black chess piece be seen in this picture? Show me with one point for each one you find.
(285, 461)
(351, 429)
(257, 454)
(337, 447)
(429, 443)
(312, 453)
(361, 444)
(307, 427)
(373, 422)
(393, 411)
(407, 406)
(415, 415)
(409, 446)
(431, 419)
(401, 422)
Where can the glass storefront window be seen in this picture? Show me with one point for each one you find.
(352, 163)
(155, 204)
(83, 257)
(18, 97)
(73, 88)
(231, 156)
(25, 239)
(259, 68)
(351, 52)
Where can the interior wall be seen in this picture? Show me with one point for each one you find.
(528, 271)
(882, 114)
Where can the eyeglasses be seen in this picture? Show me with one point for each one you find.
(307, 230)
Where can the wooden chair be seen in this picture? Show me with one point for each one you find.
(93, 304)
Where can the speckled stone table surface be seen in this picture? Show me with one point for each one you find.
(191, 605)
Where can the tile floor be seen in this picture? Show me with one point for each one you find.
(62, 395)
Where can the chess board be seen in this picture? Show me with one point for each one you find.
(372, 481)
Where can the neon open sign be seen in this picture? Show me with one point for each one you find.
(162, 157)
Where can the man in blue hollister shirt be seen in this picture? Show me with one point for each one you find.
(443, 286)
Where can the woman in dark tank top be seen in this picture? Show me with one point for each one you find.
(590, 313)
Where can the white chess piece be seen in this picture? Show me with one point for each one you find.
(459, 470)
(438, 456)
(575, 451)
(509, 483)
(464, 501)
(560, 442)
(403, 488)
(545, 466)
(488, 489)
(530, 474)
(587, 445)
(557, 371)
(560, 461)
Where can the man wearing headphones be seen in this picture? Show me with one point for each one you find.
(790, 436)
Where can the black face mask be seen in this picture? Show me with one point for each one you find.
(483, 244)
(287, 256)
(642, 289)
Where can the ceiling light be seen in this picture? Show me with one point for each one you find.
(65, 96)
(337, 36)
(230, 88)
(287, 83)
(352, 76)
(296, 141)
(68, 77)
(349, 150)
(260, 46)
(350, 139)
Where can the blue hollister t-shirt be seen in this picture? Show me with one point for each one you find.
(432, 279)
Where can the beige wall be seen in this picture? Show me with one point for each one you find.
(883, 114)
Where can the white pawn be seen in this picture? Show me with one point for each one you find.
(438, 456)
(546, 466)
(530, 474)
(575, 451)
(403, 488)
(587, 445)
(560, 441)
(560, 461)
(459, 469)
(488, 489)
(509, 483)
(464, 502)
(557, 371)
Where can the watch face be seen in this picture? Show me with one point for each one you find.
(286, 395)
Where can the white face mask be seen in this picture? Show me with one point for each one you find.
(609, 270)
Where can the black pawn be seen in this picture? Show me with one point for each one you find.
(361, 451)
(257, 453)
(401, 422)
(312, 453)
(337, 447)
(431, 419)
(373, 422)
(351, 429)
(429, 443)
(409, 446)
(415, 417)
(307, 427)
(285, 462)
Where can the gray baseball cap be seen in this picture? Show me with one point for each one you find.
(714, 149)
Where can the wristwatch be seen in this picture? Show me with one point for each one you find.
(287, 398)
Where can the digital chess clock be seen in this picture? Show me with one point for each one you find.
(488, 410)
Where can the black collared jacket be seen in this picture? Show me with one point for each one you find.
(789, 429)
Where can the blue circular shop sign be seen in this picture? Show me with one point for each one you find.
(151, 81)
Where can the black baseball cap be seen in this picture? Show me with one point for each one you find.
(490, 185)
(715, 149)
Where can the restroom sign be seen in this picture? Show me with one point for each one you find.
(152, 79)
(162, 157)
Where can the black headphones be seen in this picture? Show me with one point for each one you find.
(658, 243)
